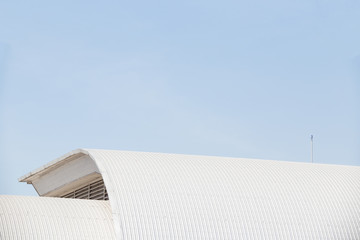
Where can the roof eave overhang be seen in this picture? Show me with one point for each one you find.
(31, 176)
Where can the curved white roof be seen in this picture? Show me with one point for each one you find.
(25, 217)
(170, 196)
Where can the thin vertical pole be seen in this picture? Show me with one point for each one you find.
(312, 148)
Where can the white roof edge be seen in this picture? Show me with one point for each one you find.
(52, 164)
(59, 160)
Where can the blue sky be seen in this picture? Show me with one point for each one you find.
(231, 78)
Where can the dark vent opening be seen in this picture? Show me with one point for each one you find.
(94, 191)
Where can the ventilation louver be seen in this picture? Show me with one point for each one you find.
(95, 191)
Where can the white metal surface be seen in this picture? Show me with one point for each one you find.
(54, 218)
(170, 196)
(65, 176)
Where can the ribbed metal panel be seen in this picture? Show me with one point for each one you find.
(93, 191)
(54, 218)
(168, 196)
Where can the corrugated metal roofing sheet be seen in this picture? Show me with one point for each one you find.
(170, 196)
(25, 217)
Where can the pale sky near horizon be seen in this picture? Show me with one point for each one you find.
(248, 79)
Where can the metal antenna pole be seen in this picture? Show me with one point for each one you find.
(312, 148)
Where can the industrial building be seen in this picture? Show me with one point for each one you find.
(108, 194)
